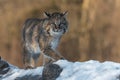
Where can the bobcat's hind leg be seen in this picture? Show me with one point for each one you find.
(27, 60)
(35, 58)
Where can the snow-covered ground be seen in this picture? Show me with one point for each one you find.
(89, 70)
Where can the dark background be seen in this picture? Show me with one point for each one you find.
(94, 28)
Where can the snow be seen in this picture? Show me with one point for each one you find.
(22, 72)
(89, 70)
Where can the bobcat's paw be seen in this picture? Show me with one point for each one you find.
(29, 67)
(62, 58)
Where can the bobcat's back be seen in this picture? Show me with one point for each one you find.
(29, 29)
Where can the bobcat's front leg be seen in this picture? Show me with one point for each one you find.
(27, 60)
(47, 56)
(52, 55)
(58, 54)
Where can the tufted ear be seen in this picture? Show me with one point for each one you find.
(46, 14)
(65, 13)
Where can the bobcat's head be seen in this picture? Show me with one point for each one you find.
(57, 22)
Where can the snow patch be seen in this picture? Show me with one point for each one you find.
(89, 70)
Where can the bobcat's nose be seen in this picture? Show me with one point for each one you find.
(57, 27)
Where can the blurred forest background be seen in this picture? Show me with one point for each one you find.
(94, 28)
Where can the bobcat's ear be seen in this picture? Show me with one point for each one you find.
(65, 13)
(46, 14)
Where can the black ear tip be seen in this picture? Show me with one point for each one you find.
(65, 13)
(47, 14)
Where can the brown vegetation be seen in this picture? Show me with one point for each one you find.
(93, 28)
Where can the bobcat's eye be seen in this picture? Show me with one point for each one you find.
(54, 26)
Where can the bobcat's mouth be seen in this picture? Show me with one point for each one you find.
(57, 30)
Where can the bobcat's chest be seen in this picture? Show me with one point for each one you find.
(54, 38)
(54, 43)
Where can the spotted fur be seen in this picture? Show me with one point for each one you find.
(42, 36)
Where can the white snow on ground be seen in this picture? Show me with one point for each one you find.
(21, 72)
(89, 70)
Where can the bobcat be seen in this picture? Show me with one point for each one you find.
(41, 36)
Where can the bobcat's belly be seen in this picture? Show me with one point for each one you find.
(33, 48)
